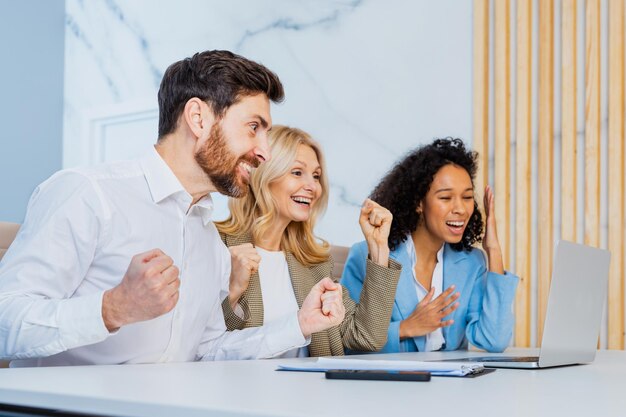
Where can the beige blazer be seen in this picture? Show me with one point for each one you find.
(365, 325)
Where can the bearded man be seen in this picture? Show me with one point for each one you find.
(121, 263)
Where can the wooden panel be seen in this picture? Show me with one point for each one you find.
(568, 120)
(502, 115)
(592, 123)
(616, 174)
(545, 156)
(523, 177)
(481, 91)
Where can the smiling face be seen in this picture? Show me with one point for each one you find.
(236, 144)
(297, 192)
(448, 205)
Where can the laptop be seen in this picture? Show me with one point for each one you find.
(578, 291)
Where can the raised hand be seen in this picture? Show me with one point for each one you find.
(322, 308)
(375, 222)
(428, 315)
(148, 290)
(491, 244)
(244, 262)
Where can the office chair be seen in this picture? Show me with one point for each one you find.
(7, 234)
(8, 231)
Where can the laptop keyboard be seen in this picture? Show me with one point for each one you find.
(496, 359)
(510, 359)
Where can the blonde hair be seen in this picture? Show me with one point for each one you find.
(256, 212)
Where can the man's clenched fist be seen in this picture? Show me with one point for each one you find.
(148, 290)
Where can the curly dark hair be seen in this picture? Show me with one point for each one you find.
(408, 182)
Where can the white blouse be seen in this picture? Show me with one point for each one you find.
(434, 340)
(279, 300)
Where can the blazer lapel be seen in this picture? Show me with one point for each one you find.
(406, 296)
(454, 273)
(301, 279)
(454, 269)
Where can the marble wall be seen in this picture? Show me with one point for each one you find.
(368, 79)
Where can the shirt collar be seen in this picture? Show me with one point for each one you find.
(454, 256)
(410, 249)
(162, 184)
(206, 208)
(161, 180)
(440, 254)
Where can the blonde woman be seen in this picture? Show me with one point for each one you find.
(276, 258)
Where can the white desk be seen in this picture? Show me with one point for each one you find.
(245, 388)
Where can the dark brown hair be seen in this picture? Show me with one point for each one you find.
(220, 78)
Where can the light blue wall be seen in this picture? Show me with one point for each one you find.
(32, 38)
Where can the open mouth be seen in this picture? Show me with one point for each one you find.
(303, 201)
(246, 166)
(456, 226)
(246, 169)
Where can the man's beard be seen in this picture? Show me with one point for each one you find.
(221, 165)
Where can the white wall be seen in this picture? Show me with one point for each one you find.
(368, 79)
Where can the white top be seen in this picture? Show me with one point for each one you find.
(81, 230)
(279, 299)
(434, 340)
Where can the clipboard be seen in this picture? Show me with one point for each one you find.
(446, 369)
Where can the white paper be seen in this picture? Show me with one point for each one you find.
(436, 368)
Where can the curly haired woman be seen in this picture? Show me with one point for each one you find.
(449, 293)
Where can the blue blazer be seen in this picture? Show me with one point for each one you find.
(484, 316)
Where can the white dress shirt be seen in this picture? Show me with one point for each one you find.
(81, 230)
(279, 300)
(434, 340)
